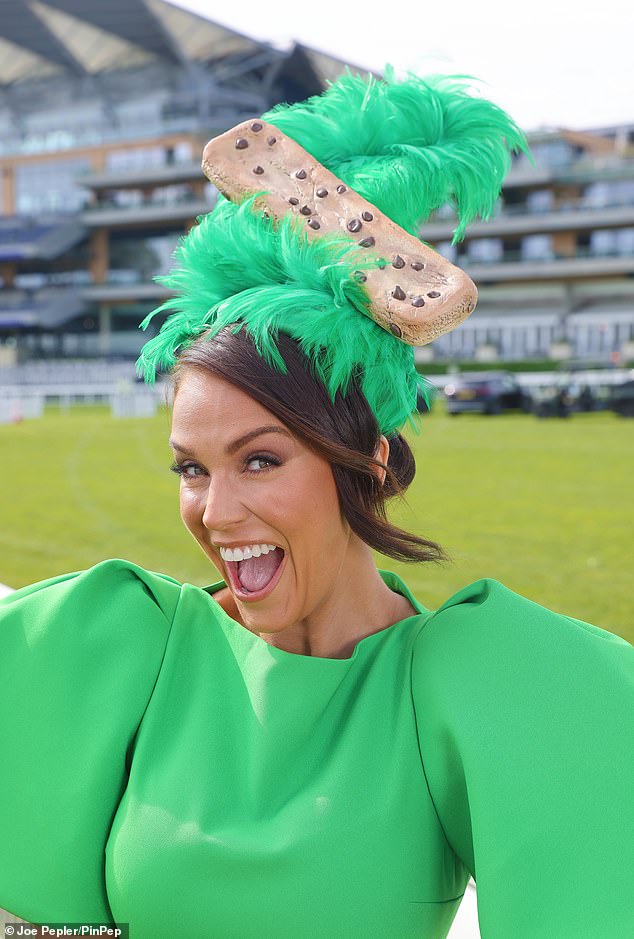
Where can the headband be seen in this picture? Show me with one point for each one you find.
(315, 233)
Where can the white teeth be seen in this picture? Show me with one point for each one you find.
(248, 551)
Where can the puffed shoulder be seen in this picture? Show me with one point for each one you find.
(113, 573)
(79, 656)
(524, 719)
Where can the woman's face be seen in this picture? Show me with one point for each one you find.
(246, 480)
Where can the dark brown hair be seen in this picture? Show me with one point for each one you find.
(346, 432)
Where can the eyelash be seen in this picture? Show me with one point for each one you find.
(180, 468)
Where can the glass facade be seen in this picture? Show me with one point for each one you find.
(485, 250)
(554, 154)
(174, 194)
(540, 200)
(50, 186)
(137, 258)
(138, 158)
(536, 248)
(618, 242)
(605, 193)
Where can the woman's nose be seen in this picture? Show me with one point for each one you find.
(223, 507)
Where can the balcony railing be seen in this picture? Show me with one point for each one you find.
(516, 210)
(151, 202)
(513, 257)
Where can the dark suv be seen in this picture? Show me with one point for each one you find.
(486, 393)
(621, 399)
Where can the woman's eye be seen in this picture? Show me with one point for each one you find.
(181, 469)
(260, 463)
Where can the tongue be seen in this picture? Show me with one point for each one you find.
(255, 573)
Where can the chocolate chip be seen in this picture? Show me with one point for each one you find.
(418, 301)
(354, 225)
(398, 293)
(418, 265)
(367, 216)
(398, 262)
(271, 141)
(322, 193)
(433, 294)
(306, 210)
(256, 127)
(301, 174)
(258, 170)
(341, 189)
(313, 223)
(241, 143)
(396, 330)
(367, 242)
(360, 276)
(293, 200)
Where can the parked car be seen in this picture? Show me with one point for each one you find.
(589, 382)
(486, 393)
(553, 401)
(584, 397)
(621, 399)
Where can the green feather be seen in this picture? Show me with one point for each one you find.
(235, 267)
(408, 148)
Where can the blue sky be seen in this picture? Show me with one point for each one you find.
(550, 63)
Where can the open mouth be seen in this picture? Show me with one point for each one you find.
(255, 578)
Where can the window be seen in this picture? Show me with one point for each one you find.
(536, 248)
(135, 158)
(603, 242)
(485, 250)
(447, 250)
(50, 186)
(541, 200)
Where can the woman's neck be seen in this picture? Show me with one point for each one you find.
(359, 605)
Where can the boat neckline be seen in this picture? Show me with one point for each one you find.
(392, 580)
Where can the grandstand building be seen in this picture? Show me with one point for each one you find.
(104, 111)
(555, 264)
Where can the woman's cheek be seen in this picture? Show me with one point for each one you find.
(191, 506)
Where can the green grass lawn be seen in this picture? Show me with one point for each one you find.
(544, 506)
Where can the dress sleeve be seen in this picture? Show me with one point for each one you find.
(79, 656)
(526, 732)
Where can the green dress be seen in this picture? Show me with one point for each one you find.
(165, 767)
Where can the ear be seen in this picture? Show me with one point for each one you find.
(382, 453)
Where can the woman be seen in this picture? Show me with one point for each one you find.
(303, 749)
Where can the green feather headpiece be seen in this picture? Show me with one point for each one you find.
(408, 147)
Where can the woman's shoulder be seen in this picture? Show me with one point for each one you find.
(488, 636)
(107, 575)
(488, 610)
(113, 605)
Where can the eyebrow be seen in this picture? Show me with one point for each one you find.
(240, 442)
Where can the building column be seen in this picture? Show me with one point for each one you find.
(105, 329)
(7, 273)
(7, 200)
(99, 254)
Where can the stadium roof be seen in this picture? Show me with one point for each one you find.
(90, 37)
